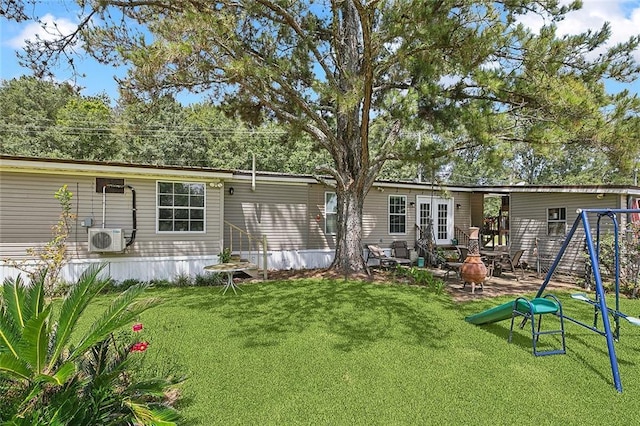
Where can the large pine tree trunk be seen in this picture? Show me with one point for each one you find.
(349, 250)
(350, 152)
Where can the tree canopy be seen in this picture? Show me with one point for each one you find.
(46, 119)
(353, 74)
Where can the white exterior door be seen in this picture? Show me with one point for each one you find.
(439, 212)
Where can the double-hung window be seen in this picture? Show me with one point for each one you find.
(330, 213)
(557, 221)
(397, 214)
(180, 207)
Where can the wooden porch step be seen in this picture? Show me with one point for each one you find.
(253, 272)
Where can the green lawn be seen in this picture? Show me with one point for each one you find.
(335, 352)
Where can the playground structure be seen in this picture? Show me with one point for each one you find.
(548, 304)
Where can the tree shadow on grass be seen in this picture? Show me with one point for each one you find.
(353, 313)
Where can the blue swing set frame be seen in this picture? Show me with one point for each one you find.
(600, 303)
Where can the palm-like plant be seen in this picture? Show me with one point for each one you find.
(37, 357)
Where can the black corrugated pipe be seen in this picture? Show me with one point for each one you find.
(132, 238)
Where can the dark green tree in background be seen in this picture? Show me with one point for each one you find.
(28, 115)
(84, 130)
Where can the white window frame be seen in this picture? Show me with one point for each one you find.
(556, 216)
(402, 214)
(173, 207)
(328, 213)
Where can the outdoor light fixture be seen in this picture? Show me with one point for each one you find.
(231, 191)
(458, 206)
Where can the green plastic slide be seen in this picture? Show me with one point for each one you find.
(502, 312)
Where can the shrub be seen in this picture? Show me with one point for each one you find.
(208, 280)
(125, 284)
(160, 283)
(182, 280)
(225, 255)
(629, 258)
(49, 380)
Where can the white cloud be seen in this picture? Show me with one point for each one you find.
(50, 28)
(623, 16)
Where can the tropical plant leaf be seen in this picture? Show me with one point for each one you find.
(14, 366)
(66, 371)
(74, 304)
(34, 301)
(122, 310)
(45, 378)
(9, 335)
(165, 416)
(14, 294)
(146, 415)
(35, 340)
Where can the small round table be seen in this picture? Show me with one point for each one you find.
(229, 268)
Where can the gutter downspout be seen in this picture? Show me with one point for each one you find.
(134, 220)
(104, 205)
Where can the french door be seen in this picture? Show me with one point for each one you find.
(438, 212)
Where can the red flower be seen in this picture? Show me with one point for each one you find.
(139, 347)
(137, 327)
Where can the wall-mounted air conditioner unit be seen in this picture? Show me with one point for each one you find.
(106, 240)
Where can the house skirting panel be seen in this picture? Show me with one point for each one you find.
(168, 268)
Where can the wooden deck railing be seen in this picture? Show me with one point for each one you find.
(461, 236)
(243, 243)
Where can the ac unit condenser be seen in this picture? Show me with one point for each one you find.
(106, 240)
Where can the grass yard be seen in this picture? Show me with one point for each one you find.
(313, 351)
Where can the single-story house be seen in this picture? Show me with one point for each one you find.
(157, 222)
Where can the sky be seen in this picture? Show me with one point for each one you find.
(624, 16)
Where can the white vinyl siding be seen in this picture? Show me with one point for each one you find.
(277, 211)
(29, 209)
(529, 223)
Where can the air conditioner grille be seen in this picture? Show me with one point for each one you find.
(106, 240)
(101, 240)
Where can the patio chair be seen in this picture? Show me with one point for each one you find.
(464, 252)
(375, 252)
(455, 266)
(510, 263)
(401, 252)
